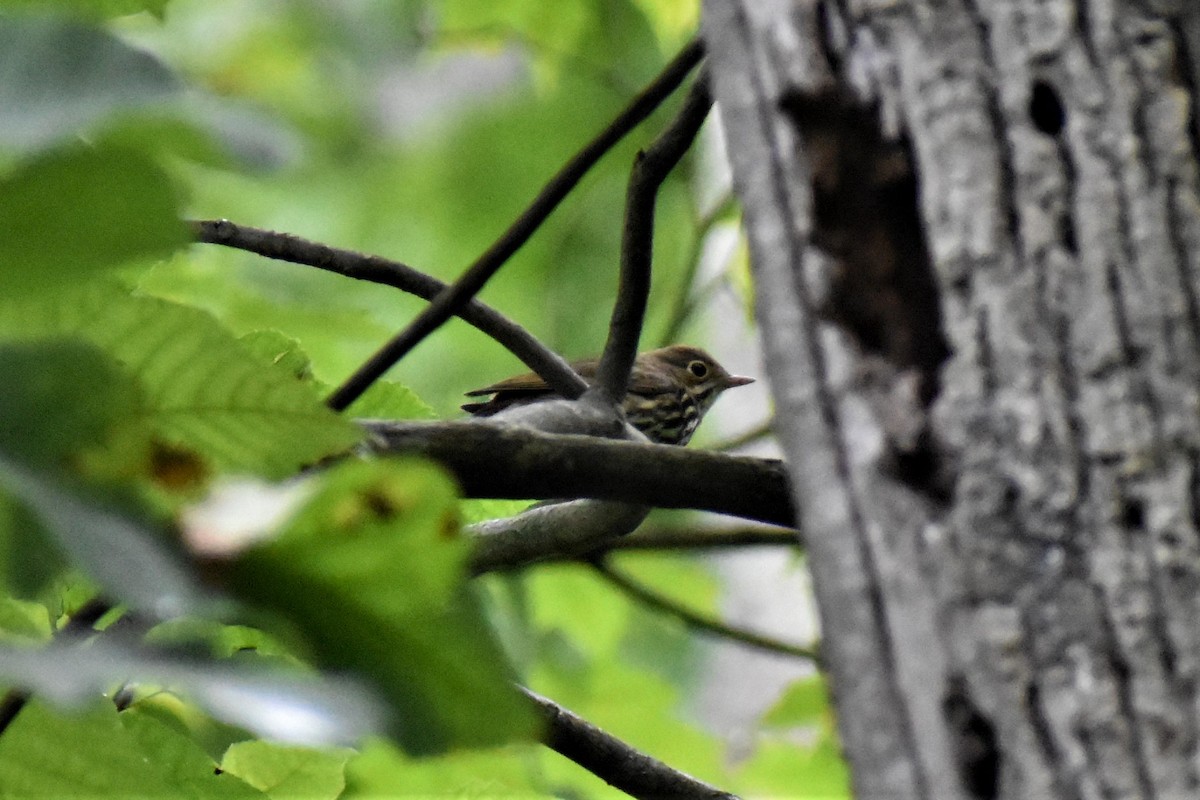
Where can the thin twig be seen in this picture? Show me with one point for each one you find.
(447, 303)
(695, 621)
(760, 431)
(511, 462)
(518, 542)
(617, 763)
(88, 614)
(694, 539)
(650, 169)
(685, 301)
(286, 247)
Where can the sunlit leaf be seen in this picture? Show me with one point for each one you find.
(370, 572)
(805, 702)
(388, 400)
(288, 772)
(282, 351)
(101, 753)
(202, 388)
(381, 770)
(805, 772)
(23, 621)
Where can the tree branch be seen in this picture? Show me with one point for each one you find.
(656, 538)
(550, 532)
(497, 461)
(88, 615)
(650, 169)
(286, 247)
(686, 301)
(454, 297)
(695, 621)
(617, 763)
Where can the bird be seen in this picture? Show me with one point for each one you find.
(670, 390)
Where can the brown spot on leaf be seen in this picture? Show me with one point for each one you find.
(176, 468)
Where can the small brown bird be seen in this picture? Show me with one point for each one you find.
(670, 390)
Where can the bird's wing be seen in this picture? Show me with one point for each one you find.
(531, 382)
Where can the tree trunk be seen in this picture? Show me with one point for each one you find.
(976, 242)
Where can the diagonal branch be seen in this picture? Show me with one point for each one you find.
(650, 169)
(614, 761)
(757, 433)
(497, 461)
(693, 539)
(285, 247)
(687, 300)
(82, 620)
(554, 531)
(698, 622)
(447, 302)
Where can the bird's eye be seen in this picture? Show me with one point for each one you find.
(698, 368)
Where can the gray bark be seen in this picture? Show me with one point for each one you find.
(1005, 544)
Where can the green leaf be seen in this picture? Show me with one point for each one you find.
(24, 621)
(380, 770)
(103, 754)
(280, 350)
(116, 550)
(58, 78)
(201, 387)
(66, 404)
(282, 705)
(75, 211)
(387, 400)
(382, 400)
(805, 702)
(98, 9)
(784, 769)
(473, 511)
(29, 560)
(370, 572)
(288, 772)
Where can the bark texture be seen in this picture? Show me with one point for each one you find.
(993, 427)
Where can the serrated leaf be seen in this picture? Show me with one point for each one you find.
(387, 400)
(58, 78)
(72, 212)
(201, 387)
(370, 572)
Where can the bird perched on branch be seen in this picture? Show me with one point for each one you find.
(670, 389)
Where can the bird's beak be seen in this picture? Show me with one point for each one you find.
(738, 380)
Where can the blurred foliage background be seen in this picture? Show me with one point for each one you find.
(416, 131)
